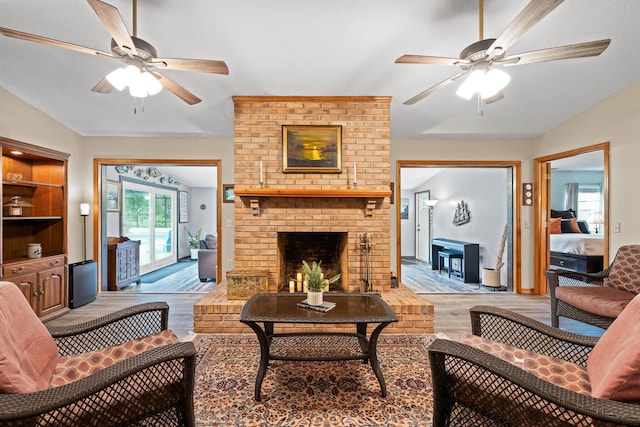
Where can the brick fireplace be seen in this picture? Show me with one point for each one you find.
(313, 202)
(314, 208)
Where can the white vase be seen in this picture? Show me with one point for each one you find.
(194, 253)
(314, 298)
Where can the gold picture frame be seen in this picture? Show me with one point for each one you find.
(312, 149)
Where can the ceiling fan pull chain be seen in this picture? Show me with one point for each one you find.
(480, 112)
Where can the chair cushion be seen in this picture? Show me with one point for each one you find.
(614, 362)
(77, 366)
(28, 353)
(625, 274)
(600, 300)
(550, 369)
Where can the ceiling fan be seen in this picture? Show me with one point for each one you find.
(478, 58)
(133, 51)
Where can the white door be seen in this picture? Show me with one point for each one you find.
(423, 227)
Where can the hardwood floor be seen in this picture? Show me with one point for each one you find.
(420, 278)
(451, 310)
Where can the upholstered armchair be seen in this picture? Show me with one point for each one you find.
(123, 369)
(208, 258)
(596, 298)
(514, 371)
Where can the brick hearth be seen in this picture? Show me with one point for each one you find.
(215, 314)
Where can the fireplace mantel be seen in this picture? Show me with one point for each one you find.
(255, 194)
(305, 192)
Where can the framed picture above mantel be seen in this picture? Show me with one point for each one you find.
(312, 149)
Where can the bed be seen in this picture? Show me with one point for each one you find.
(577, 251)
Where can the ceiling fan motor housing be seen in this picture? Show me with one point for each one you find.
(145, 50)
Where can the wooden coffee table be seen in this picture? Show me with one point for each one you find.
(359, 309)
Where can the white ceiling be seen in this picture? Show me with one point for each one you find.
(317, 48)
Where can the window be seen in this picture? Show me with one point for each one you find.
(149, 215)
(589, 200)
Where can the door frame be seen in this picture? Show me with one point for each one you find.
(98, 163)
(542, 181)
(516, 166)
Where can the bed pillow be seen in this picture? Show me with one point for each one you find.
(584, 227)
(555, 226)
(570, 226)
(568, 214)
(614, 363)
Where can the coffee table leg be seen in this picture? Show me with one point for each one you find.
(373, 357)
(264, 356)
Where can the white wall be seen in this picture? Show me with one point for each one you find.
(616, 120)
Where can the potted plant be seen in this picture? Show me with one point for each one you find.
(316, 283)
(194, 242)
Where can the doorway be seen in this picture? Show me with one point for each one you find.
(491, 201)
(158, 202)
(577, 162)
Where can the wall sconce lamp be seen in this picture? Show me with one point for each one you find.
(596, 219)
(84, 212)
(15, 205)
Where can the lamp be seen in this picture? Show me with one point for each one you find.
(596, 219)
(15, 205)
(84, 212)
(486, 83)
(141, 83)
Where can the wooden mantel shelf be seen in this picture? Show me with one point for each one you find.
(305, 192)
(256, 193)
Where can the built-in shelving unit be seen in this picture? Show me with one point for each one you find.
(39, 177)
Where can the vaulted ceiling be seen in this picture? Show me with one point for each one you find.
(317, 48)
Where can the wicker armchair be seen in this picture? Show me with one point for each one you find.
(154, 387)
(596, 298)
(473, 387)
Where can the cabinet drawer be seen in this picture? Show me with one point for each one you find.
(563, 262)
(26, 267)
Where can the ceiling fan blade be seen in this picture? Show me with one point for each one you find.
(111, 18)
(51, 42)
(432, 89)
(437, 60)
(530, 16)
(176, 89)
(579, 50)
(201, 65)
(495, 98)
(103, 86)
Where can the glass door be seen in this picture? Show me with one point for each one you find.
(149, 216)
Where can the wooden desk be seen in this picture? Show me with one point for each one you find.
(470, 257)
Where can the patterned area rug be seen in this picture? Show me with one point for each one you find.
(323, 394)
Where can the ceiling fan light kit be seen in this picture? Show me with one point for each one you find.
(141, 84)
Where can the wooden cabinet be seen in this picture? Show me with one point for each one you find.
(37, 177)
(123, 262)
(43, 283)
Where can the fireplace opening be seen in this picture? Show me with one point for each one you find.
(330, 248)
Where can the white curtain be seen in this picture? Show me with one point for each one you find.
(571, 196)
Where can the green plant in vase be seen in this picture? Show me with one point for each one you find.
(194, 242)
(316, 282)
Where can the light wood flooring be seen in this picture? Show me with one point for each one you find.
(451, 310)
(420, 278)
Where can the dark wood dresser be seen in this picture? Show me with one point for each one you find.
(123, 262)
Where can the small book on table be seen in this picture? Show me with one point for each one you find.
(324, 307)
